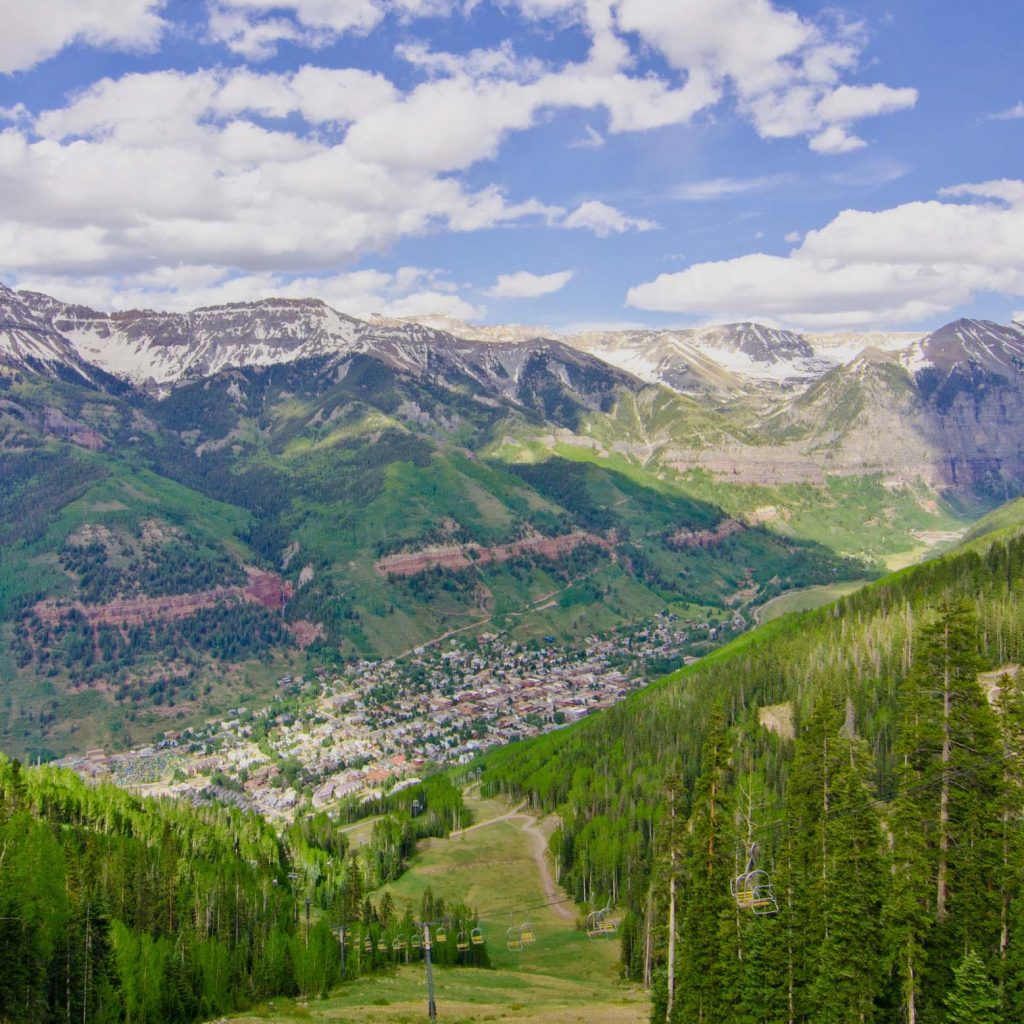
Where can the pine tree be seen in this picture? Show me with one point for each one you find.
(850, 960)
(948, 821)
(974, 998)
(673, 832)
(807, 853)
(708, 955)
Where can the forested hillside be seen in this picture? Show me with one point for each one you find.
(119, 908)
(868, 758)
(164, 559)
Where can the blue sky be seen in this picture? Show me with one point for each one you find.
(566, 162)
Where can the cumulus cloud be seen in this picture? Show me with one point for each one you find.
(853, 102)
(172, 167)
(524, 285)
(835, 139)
(310, 170)
(307, 170)
(605, 220)
(895, 266)
(32, 32)
(404, 292)
(258, 39)
(785, 70)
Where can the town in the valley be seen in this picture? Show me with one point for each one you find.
(359, 731)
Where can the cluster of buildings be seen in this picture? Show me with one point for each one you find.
(376, 724)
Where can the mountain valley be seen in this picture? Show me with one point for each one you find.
(389, 483)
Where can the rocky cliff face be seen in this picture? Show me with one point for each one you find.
(970, 376)
(948, 411)
(29, 341)
(457, 558)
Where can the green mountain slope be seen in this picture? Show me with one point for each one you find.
(174, 556)
(854, 754)
(115, 907)
(1006, 518)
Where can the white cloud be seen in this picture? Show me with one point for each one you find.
(1010, 114)
(784, 69)
(254, 28)
(348, 16)
(306, 172)
(258, 39)
(177, 167)
(604, 220)
(793, 237)
(718, 188)
(1008, 190)
(895, 266)
(171, 167)
(407, 291)
(499, 62)
(524, 285)
(34, 31)
(836, 139)
(852, 102)
(319, 95)
(16, 112)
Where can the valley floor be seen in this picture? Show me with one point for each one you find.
(500, 866)
(805, 599)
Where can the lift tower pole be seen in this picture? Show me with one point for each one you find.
(341, 946)
(431, 1005)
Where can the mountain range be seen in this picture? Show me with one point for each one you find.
(781, 407)
(206, 495)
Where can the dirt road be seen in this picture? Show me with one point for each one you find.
(561, 905)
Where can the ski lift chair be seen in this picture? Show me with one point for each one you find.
(753, 891)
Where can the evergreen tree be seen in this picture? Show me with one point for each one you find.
(850, 961)
(673, 834)
(708, 948)
(974, 998)
(949, 826)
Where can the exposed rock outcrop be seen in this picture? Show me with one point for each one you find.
(457, 557)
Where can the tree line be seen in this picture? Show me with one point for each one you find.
(115, 907)
(887, 822)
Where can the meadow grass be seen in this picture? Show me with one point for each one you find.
(564, 977)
